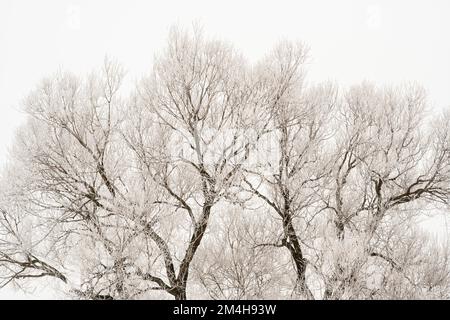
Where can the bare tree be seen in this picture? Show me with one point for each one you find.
(193, 102)
(387, 160)
(224, 179)
(75, 169)
(297, 127)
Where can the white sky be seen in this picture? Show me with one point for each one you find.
(350, 40)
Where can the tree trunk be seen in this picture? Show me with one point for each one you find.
(194, 243)
(180, 293)
(293, 244)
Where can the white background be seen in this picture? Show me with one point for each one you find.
(351, 40)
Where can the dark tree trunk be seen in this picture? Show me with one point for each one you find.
(300, 262)
(293, 244)
(194, 243)
(180, 293)
(340, 228)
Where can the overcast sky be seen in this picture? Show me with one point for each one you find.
(350, 40)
